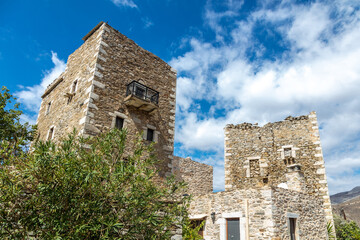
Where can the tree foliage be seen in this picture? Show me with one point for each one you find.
(87, 189)
(82, 188)
(346, 230)
(191, 232)
(13, 135)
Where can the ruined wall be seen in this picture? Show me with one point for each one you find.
(260, 156)
(198, 176)
(263, 213)
(64, 115)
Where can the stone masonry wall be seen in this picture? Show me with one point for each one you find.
(311, 222)
(253, 207)
(64, 115)
(276, 146)
(263, 213)
(121, 61)
(102, 67)
(198, 176)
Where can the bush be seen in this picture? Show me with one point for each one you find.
(87, 189)
(346, 230)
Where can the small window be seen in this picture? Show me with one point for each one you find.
(254, 168)
(48, 108)
(119, 123)
(74, 86)
(287, 152)
(51, 133)
(150, 135)
(70, 97)
(292, 222)
(196, 223)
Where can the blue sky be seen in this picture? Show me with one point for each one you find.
(237, 61)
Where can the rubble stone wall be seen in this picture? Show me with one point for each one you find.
(252, 206)
(121, 61)
(311, 222)
(103, 67)
(275, 146)
(263, 213)
(198, 176)
(65, 115)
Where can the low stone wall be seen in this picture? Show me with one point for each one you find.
(198, 176)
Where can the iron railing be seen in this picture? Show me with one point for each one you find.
(143, 92)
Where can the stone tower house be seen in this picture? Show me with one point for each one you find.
(111, 82)
(275, 182)
(286, 153)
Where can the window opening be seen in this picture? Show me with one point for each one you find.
(74, 86)
(254, 167)
(70, 97)
(195, 223)
(119, 123)
(51, 133)
(292, 222)
(287, 152)
(233, 229)
(48, 108)
(150, 135)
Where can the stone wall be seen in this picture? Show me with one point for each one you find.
(103, 67)
(307, 209)
(263, 213)
(198, 176)
(121, 61)
(64, 113)
(274, 148)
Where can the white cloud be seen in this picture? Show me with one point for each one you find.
(125, 3)
(319, 71)
(30, 96)
(201, 135)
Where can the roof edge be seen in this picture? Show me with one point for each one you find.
(93, 30)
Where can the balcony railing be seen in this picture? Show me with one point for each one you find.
(143, 92)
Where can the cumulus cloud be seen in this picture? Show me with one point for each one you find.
(316, 70)
(125, 3)
(30, 96)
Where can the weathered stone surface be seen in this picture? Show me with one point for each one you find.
(278, 145)
(263, 213)
(103, 67)
(198, 176)
(64, 115)
(91, 93)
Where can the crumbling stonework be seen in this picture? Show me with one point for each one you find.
(276, 146)
(198, 176)
(102, 68)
